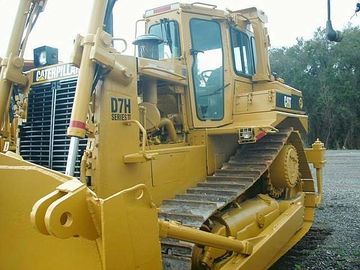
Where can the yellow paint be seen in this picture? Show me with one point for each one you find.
(23, 247)
(114, 224)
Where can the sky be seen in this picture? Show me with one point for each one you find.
(64, 19)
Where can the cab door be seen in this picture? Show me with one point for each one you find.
(210, 84)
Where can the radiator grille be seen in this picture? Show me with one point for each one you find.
(43, 138)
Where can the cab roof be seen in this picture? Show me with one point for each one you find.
(196, 7)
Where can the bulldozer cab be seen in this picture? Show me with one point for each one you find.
(216, 50)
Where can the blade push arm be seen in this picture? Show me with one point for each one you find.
(13, 62)
(77, 127)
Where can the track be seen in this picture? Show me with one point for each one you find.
(198, 204)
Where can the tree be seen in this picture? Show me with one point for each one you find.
(329, 76)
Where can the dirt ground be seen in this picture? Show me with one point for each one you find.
(334, 240)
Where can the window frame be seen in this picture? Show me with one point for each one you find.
(251, 48)
(223, 69)
(179, 37)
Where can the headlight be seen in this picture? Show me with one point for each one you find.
(42, 58)
(246, 135)
(45, 56)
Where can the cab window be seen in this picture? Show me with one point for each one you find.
(168, 31)
(207, 69)
(242, 53)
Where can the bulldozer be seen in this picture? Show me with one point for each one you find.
(193, 154)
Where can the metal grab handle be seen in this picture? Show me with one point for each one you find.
(165, 71)
(144, 133)
(124, 41)
(203, 4)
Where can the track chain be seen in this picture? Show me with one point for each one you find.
(199, 203)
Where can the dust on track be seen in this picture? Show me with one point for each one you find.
(333, 242)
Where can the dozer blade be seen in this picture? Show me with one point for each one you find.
(22, 247)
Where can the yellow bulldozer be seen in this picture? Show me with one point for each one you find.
(186, 156)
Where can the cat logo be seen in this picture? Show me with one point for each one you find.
(54, 73)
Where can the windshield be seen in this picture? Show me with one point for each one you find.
(168, 31)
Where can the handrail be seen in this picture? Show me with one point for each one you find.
(165, 71)
(143, 130)
(136, 32)
(124, 41)
(203, 4)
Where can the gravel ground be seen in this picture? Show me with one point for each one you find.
(334, 240)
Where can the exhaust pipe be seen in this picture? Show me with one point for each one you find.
(331, 34)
